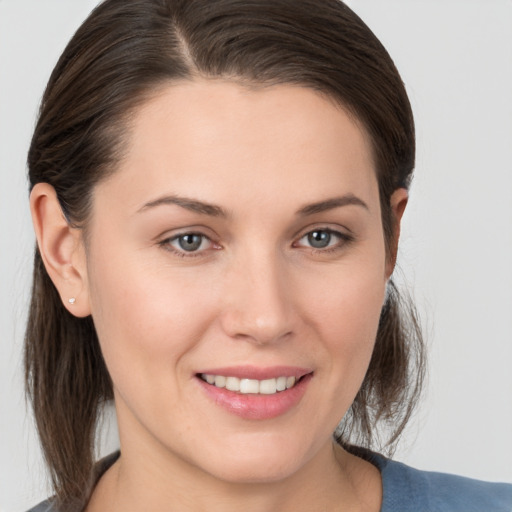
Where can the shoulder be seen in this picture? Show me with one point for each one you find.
(50, 505)
(406, 488)
(45, 506)
(101, 467)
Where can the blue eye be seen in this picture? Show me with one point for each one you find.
(319, 239)
(188, 243)
(324, 239)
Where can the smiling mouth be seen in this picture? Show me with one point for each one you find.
(250, 386)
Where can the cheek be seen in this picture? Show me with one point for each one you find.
(353, 317)
(346, 313)
(348, 300)
(145, 319)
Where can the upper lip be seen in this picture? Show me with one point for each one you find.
(258, 373)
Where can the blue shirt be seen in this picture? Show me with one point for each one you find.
(406, 489)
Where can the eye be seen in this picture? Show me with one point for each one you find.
(323, 239)
(319, 239)
(188, 244)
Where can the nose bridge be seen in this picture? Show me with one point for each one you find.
(258, 305)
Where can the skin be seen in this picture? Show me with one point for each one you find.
(255, 292)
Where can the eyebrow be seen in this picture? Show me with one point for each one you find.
(189, 204)
(216, 211)
(329, 204)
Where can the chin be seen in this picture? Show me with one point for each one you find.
(257, 462)
(265, 472)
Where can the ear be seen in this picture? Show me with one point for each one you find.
(62, 250)
(398, 202)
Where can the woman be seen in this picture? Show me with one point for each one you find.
(217, 189)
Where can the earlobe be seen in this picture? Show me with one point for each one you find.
(61, 248)
(398, 202)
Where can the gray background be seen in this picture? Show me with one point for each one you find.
(455, 57)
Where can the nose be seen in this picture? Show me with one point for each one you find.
(257, 304)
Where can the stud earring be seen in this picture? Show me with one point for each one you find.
(72, 300)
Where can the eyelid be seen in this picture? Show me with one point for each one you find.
(165, 242)
(344, 237)
(336, 229)
(326, 225)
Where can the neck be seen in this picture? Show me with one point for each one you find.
(333, 480)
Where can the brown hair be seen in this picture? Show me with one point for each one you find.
(116, 59)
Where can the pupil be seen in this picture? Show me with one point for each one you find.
(319, 239)
(190, 242)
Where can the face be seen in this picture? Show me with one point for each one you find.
(239, 244)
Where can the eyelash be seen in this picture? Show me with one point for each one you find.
(344, 239)
(166, 244)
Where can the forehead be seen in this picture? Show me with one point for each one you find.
(216, 137)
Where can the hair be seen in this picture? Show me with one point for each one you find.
(124, 52)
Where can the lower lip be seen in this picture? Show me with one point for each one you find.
(257, 407)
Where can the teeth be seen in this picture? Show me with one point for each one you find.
(232, 383)
(249, 386)
(268, 387)
(253, 386)
(281, 383)
(220, 381)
